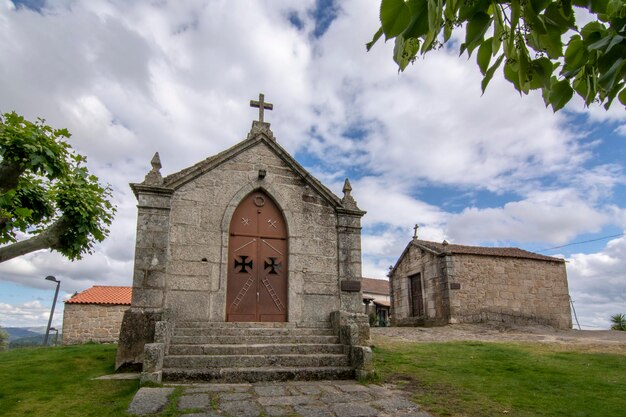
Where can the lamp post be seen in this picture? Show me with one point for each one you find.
(56, 336)
(56, 293)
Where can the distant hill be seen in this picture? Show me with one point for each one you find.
(19, 333)
(27, 336)
(27, 341)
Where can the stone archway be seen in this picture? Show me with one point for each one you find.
(256, 288)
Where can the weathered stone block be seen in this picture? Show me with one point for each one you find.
(153, 357)
(138, 328)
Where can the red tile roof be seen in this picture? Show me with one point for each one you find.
(102, 294)
(375, 286)
(441, 248)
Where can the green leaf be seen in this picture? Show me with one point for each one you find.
(560, 93)
(524, 67)
(607, 79)
(377, 36)
(540, 73)
(394, 16)
(476, 28)
(419, 19)
(551, 42)
(554, 16)
(536, 23)
(617, 39)
(598, 6)
(405, 51)
(602, 43)
(590, 29)
(615, 8)
(539, 5)
(515, 13)
(511, 74)
(490, 72)
(622, 96)
(484, 55)
(23, 212)
(581, 86)
(576, 54)
(498, 31)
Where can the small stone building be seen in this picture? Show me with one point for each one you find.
(376, 299)
(246, 235)
(440, 283)
(95, 315)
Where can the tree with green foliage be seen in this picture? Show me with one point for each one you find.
(4, 340)
(618, 322)
(538, 41)
(48, 199)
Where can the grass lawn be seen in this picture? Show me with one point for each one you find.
(448, 379)
(57, 381)
(495, 379)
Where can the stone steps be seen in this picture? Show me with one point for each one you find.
(250, 340)
(234, 325)
(227, 375)
(258, 349)
(251, 331)
(252, 352)
(254, 361)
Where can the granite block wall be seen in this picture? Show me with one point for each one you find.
(92, 323)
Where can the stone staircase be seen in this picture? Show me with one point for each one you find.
(253, 352)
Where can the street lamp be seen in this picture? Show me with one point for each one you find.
(56, 293)
(56, 336)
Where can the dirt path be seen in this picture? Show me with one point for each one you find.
(586, 340)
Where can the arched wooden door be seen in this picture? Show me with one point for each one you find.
(257, 261)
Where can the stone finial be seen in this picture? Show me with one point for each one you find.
(154, 176)
(347, 188)
(444, 243)
(261, 128)
(415, 231)
(347, 200)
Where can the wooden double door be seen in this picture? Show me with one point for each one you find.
(257, 262)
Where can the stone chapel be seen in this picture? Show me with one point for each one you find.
(246, 268)
(440, 283)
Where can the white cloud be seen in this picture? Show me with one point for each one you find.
(28, 314)
(597, 283)
(132, 78)
(546, 216)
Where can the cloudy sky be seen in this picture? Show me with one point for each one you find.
(131, 78)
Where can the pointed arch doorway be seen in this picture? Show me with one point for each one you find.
(257, 262)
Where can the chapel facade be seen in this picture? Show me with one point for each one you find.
(243, 238)
(439, 283)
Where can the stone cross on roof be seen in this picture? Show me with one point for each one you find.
(415, 231)
(262, 105)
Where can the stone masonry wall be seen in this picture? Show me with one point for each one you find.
(433, 288)
(520, 291)
(92, 323)
(200, 216)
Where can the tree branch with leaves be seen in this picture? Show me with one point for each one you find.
(48, 198)
(538, 41)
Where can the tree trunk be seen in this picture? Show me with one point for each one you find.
(48, 239)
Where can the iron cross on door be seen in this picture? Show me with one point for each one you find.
(257, 262)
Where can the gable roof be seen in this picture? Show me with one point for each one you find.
(102, 294)
(442, 249)
(260, 133)
(375, 286)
